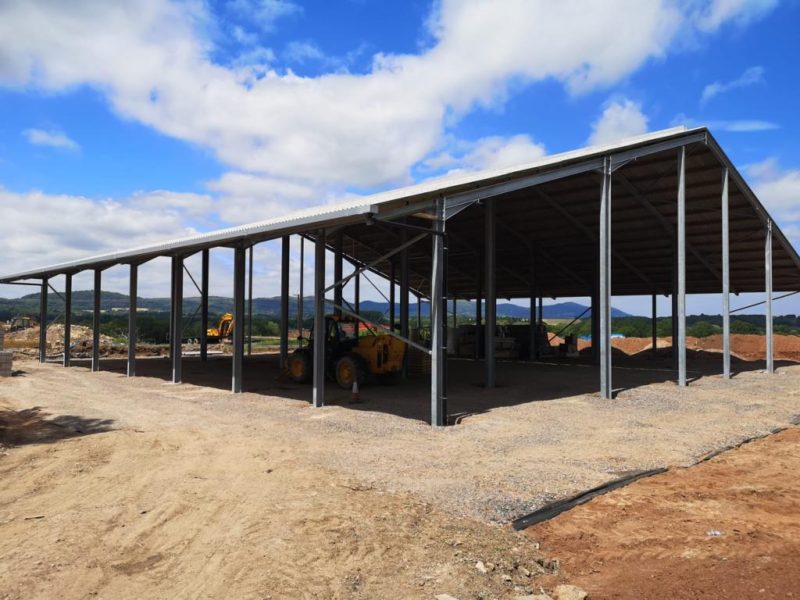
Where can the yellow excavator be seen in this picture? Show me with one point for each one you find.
(223, 331)
(353, 352)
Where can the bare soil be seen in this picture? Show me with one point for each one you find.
(138, 488)
(725, 529)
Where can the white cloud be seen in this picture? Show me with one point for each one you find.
(494, 152)
(52, 138)
(362, 130)
(621, 118)
(709, 16)
(264, 12)
(751, 76)
(42, 229)
(301, 51)
(733, 126)
(779, 190)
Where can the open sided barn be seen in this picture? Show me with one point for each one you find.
(662, 214)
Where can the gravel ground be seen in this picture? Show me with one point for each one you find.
(542, 434)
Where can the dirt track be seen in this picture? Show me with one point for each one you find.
(139, 488)
(658, 537)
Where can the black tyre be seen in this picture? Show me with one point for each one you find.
(300, 366)
(350, 368)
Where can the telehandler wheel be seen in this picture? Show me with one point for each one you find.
(349, 368)
(300, 366)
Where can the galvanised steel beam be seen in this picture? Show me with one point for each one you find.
(318, 393)
(404, 301)
(204, 306)
(606, 387)
(478, 305)
(300, 307)
(250, 303)
(337, 271)
(43, 321)
(98, 277)
(284, 341)
(768, 288)
(490, 250)
(726, 278)
(392, 290)
(654, 325)
(357, 293)
(239, 269)
(67, 318)
(681, 266)
(133, 285)
(438, 321)
(177, 320)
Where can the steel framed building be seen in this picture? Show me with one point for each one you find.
(661, 214)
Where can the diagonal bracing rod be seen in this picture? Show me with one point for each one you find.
(377, 261)
(666, 225)
(589, 234)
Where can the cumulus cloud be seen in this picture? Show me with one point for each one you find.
(52, 138)
(620, 119)
(365, 130)
(751, 76)
(733, 126)
(264, 12)
(494, 152)
(779, 190)
(709, 16)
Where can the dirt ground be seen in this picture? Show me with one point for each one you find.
(123, 488)
(725, 529)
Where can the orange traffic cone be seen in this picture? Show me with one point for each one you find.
(355, 398)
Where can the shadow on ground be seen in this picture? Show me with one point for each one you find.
(518, 382)
(33, 426)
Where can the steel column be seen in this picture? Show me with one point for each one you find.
(204, 307)
(595, 309)
(726, 281)
(43, 320)
(133, 284)
(337, 272)
(98, 276)
(284, 346)
(478, 306)
(404, 300)
(654, 325)
(682, 266)
(67, 318)
(455, 312)
(239, 269)
(391, 296)
(250, 304)
(768, 288)
(357, 294)
(490, 255)
(318, 395)
(300, 307)
(606, 387)
(177, 320)
(419, 312)
(439, 321)
(541, 309)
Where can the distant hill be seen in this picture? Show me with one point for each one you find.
(83, 301)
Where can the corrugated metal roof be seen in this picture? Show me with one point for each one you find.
(324, 215)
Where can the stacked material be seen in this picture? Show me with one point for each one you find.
(419, 363)
(5, 358)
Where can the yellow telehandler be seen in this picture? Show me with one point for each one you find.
(353, 352)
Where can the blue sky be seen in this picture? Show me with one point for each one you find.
(154, 119)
